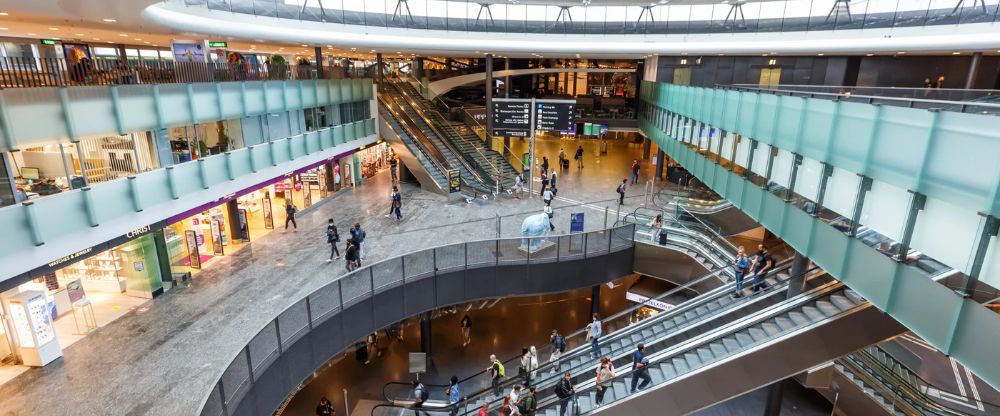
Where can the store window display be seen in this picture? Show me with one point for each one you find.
(375, 159)
(196, 241)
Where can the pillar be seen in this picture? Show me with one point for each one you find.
(647, 144)
(639, 69)
(506, 80)
(162, 259)
(595, 300)
(659, 164)
(124, 57)
(775, 394)
(418, 69)
(331, 184)
(233, 225)
(489, 101)
(797, 279)
(425, 333)
(319, 63)
(381, 71)
(970, 79)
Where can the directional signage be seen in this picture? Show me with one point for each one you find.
(511, 117)
(555, 115)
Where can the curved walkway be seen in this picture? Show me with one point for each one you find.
(164, 360)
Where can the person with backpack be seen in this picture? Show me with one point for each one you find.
(466, 325)
(621, 192)
(741, 265)
(325, 408)
(640, 369)
(453, 395)
(420, 395)
(518, 185)
(529, 402)
(635, 171)
(762, 263)
(496, 372)
(563, 162)
(545, 183)
(565, 391)
(579, 157)
(603, 381)
(558, 348)
(552, 182)
(594, 334)
(547, 197)
(332, 237)
(655, 226)
(290, 211)
(359, 238)
(351, 255)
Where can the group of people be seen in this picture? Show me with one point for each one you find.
(758, 266)
(354, 252)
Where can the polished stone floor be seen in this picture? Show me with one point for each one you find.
(165, 360)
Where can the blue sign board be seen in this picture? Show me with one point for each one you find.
(576, 222)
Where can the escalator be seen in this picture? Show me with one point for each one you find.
(702, 314)
(487, 161)
(419, 158)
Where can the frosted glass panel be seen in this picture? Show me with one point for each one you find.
(841, 191)
(727, 146)
(991, 265)
(946, 232)
(760, 159)
(782, 169)
(807, 183)
(885, 209)
(742, 152)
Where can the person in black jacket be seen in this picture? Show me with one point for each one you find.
(290, 211)
(332, 237)
(565, 391)
(351, 255)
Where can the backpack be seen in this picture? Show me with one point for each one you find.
(561, 390)
(620, 189)
(424, 394)
(743, 263)
(502, 372)
(560, 343)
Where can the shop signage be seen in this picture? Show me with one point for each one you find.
(309, 177)
(576, 222)
(244, 227)
(454, 181)
(96, 249)
(194, 257)
(48, 41)
(654, 303)
(217, 237)
(266, 207)
(217, 44)
(79, 254)
(138, 232)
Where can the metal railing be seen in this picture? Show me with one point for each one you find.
(52, 72)
(936, 100)
(349, 289)
(632, 17)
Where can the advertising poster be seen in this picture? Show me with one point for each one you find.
(244, 227)
(75, 290)
(268, 218)
(307, 194)
(576, 222)
(217, 238)
(75, 53)
(194, 257)
(454, 181)
(188, 52)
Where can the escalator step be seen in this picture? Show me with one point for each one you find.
(680, 365)
(705, 354)
(827, 308)
(731, 344)
(718, 348)
(770, 328)
(755, 334)
(812, 313)
(619, 387)
(692, 360)
(668, 371)
(798, 318)
(853, 296)
(783, 322)
(841, 302)
(648, 333)
(656, 375)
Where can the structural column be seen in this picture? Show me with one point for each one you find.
(646, 146)
(506, 79)
(797, 279)
(489, 101)
(319, 63)
(595, 300)
(425, 333)
(380, 69)
(970, 79)
(659, 164)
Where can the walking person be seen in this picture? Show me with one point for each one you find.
(565, 391)
(603, 380)
(466, 325)
(548, 212)
(594, 334)
(372, 343)
(393, 164)
(621, 192)
(552, 182)
(496, 371)
(397, 202)
(453, 395)
(741, 266)
(529, 402)
(332, 237)
(506, 409)
(518, 185)
(290, 211)
(359, 236)
(420, 395)
(545, 165)
(762, 263)
(579, 157)
(547, 197)
(563, 161)
(635, 171)
(351, 255)
(545, 183)
(525, 371)
(640, 369)
(325, 408)
(558, 348)
(655, 226)
(392, 202)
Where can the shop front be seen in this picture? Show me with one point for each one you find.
(374, 159)
(59, 303)
(645, 293)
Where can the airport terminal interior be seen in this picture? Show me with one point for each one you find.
(508, 207)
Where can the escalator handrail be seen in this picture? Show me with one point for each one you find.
(387, 103)
(898, 391)
(434, 152)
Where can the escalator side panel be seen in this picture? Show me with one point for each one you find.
(762, 366)
(409, 159)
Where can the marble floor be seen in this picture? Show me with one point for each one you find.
(165, 360)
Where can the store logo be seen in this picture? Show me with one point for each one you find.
(137, 232)
(71, 256)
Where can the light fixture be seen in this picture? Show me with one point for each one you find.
(53, 28)
(3, 13)
(900, 53)
(138, 38)
(109, 20)
(956, 53)
(820, 54)
(304, 45)
(772, 62)
(870, 54)
(146, 42)
(124, 35)
(78, 34)
(32, 34)
(3, 28)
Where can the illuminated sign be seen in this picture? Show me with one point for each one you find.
(658, 304)
(218, 44)
(48, 41)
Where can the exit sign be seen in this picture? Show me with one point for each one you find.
(48, 41)
(218, 44)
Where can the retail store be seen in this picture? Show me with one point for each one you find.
(374, 158)
(68, 298)
(644, 292)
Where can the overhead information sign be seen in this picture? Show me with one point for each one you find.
(511, 117)
(555, 115)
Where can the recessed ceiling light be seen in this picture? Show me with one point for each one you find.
(53, 28)
(900, 53)
(956, 53)
(304, 45)
(146, 42)
(32, 34)
(109, 20)
(110, 41)
(78, 34)
(124, 35)
(138, 38)
(3, 28)
(3, 13)
(820, 54)
(870, 54)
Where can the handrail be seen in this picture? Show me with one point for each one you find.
(891, 386)
(475, 128)
(317, 307)
(437, 158)
(955, 106)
